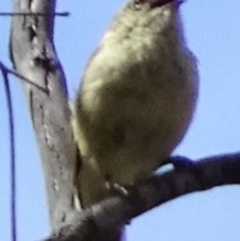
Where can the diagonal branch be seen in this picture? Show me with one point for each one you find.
(97, 224)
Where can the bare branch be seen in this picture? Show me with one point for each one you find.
(97, 224)
(12, 145)
(13, 14)
(34, 58)
(15, 73)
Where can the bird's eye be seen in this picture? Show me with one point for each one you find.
(138, 4)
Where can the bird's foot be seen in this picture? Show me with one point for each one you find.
(117, 188)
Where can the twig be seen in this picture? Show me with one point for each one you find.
(13, 14)
(31, 82)
(13, 190)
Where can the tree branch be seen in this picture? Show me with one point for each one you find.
(13, 14)
(34, 58)
(97, 223)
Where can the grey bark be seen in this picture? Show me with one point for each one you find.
(98, 222)
(34, 57)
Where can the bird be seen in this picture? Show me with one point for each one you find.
(136, 99)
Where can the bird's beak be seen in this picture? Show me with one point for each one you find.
(160, 3)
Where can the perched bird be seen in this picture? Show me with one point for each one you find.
(136, 99)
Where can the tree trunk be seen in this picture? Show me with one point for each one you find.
(34, 57)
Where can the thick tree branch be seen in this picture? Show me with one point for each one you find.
(34, 57)
(97, 224)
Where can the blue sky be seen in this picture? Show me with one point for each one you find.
(213, 33)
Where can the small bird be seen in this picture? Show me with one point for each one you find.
(136, 99)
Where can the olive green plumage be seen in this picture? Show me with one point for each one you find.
(136, 99)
